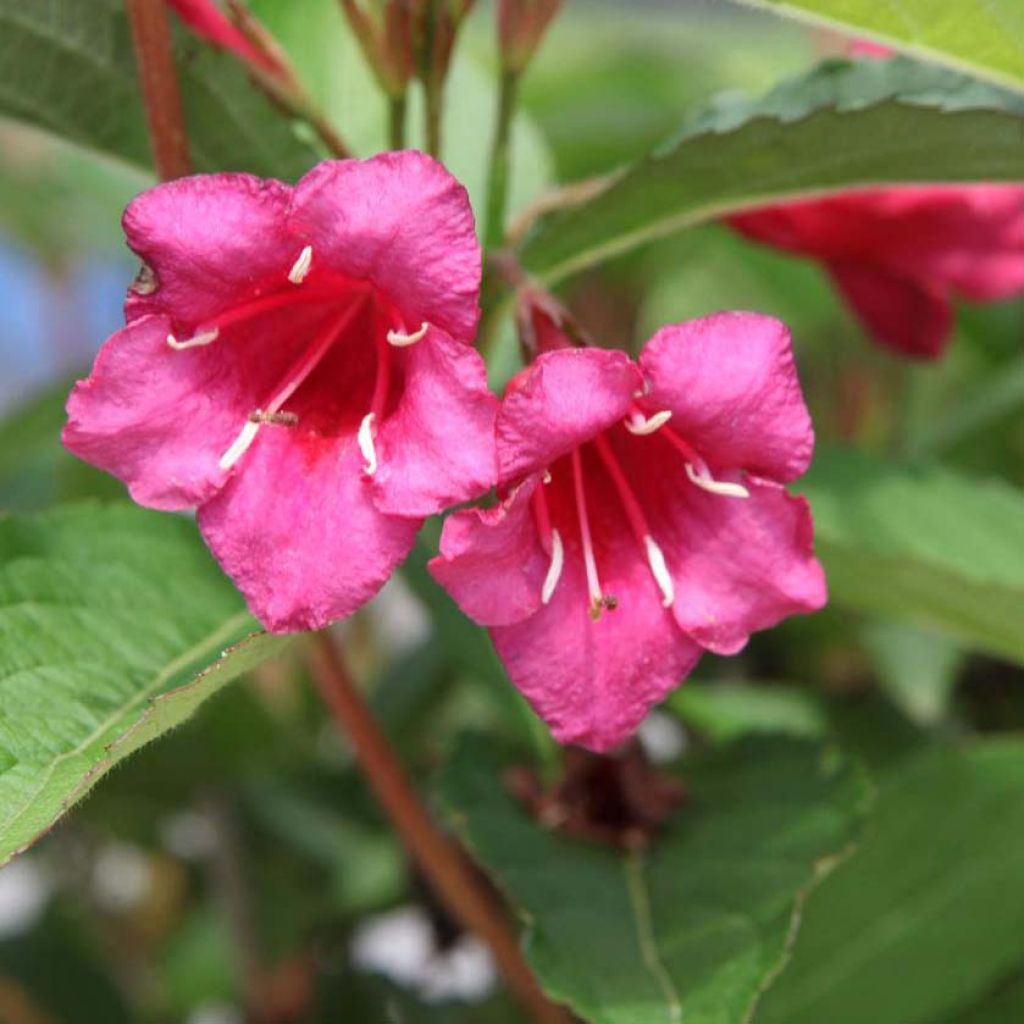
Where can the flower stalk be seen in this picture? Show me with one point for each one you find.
(151, 36)
(441, 861)
(499, 174)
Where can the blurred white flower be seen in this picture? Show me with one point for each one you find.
(401, 945)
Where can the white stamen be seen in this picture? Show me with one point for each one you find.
(240, 446)
(546, 477)
(662, 577)
(554, 569)
(203, 338)
(701, 476)
(365, 441)
(636, 424)
(300, 268)
(400, 340)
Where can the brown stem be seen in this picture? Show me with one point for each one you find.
(158, 77)
(440, 860)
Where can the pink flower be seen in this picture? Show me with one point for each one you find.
(899, 255)
(209, 22)
(644, 519)
(296, 363)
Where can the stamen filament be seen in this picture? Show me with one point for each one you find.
(364, 438)
(554, 569)
(656, 560)
(264, 304)
(401, 340)
(699, 474)
(642, 425)
(637, 520)
(300, 268)
(196, 341)
(300, 370)
(597, 597)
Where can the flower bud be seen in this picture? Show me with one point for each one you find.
(521, 26)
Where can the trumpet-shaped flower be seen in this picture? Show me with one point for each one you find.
(297, 364)
(899, 256)
(644, 519)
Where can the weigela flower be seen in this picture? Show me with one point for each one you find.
(297, 363)
(899, 255)
(209, 22)
(643, 521)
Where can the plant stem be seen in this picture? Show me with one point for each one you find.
(498, 176)
(158, 78)
(449, 872)
(396, 121)
(433, 104)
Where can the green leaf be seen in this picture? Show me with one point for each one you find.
(69, 67)
(115, 624)
(692, 930)
(726, 711)
(841, 126)
(985, 37)
(917, 668)
(1003, 1005)
(927, 915)
(922, 545)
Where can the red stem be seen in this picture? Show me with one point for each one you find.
(449, 872)
(158, 78)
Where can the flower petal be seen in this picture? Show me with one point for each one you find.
(403, 222)
(908, 314)
(566, 397)
(299, 534)
(157, 419)
(210, 240)
(491, 560)
(732, 388)
(436, 448)
(593, 682)
(738, 565)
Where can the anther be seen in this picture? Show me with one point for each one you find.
(554, 569)
(701, 476)
(280, 419)
(641, 425)
(300, 268)
(656, 560)
(365, 441)
(240, 446)
(400, 340)
(546, 476)
(196, 341)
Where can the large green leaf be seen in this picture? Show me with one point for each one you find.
(927, 915)
(923, 545)
(985, 37)
(844, 125)
(69, 67)
(115, 624)
(694, 929)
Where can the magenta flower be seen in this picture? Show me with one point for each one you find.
(899, 255)
(644, 519)
(297, 364)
